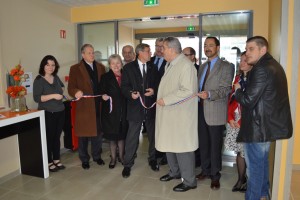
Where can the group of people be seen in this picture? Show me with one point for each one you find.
(184, 106)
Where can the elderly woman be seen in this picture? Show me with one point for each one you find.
(114, 124)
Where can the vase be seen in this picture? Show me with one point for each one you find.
(18, 104)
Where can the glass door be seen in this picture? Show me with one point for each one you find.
(103, 36)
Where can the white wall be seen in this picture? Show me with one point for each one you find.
(29, 30)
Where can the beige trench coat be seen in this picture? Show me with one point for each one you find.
(176, 126)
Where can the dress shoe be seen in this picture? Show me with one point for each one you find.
(99, 161)
(182, 188)
(215, 184)
(202, 176)
(85, 165)
(112, 165)
(167, 177)
(163, 161)
(126, 172)
(154, 166)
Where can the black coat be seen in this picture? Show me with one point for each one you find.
(161, 70)
(111, 126)
(132, 80)
(266, 114)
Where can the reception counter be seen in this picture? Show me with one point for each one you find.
(29, 126)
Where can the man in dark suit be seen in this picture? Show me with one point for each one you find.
(139, 82)
(215, 79)
(159, 62)
(158, 59)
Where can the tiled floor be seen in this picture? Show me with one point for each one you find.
(100, 182)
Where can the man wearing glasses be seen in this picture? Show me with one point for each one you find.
(191, 54)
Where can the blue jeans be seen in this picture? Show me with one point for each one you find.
(257, 160)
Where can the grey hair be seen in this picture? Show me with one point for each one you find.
(114, 56)
(160, 39)
(131, 48)
(140, 47)
(86, 46)
(173, 43)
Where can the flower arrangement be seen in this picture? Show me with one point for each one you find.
(16, 77)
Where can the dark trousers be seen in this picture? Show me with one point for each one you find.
(210, 145)
(132, 140)
(54, 125)
(96, 145)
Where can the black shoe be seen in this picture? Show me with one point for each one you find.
(182, 188)
(240, 187)
(154, 165)
(112, 165)
(126, 172)
(163, 161)
(99, 161)
(85, 165)
(167, 177)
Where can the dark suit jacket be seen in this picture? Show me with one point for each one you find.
(161, 70)
(110, 122)
(132, 80)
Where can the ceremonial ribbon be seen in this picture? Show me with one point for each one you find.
(143, 104)
(184, 100)
(179, 102)
(94, 96)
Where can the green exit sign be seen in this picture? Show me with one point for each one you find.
(149, 3)
(190, 28)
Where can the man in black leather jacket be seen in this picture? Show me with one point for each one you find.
(266, 114)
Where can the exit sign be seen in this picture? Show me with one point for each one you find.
(150, 3)
(191, 28)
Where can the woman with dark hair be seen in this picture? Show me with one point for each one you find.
(48, 93)
(114, 124)
(233, 126)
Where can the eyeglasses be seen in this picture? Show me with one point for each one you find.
(157, 46)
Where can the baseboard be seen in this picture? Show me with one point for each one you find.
(296, 167)
(9, 176)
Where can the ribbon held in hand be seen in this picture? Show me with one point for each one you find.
(95, 96)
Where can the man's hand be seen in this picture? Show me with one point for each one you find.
(135, 95)
(149, 92)
(203, 95)
(160, 102)
(78, 94)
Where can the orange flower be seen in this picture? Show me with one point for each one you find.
(17, 89)
(16, 78)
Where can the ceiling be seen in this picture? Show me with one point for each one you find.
(79, 3)
(237, 22)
